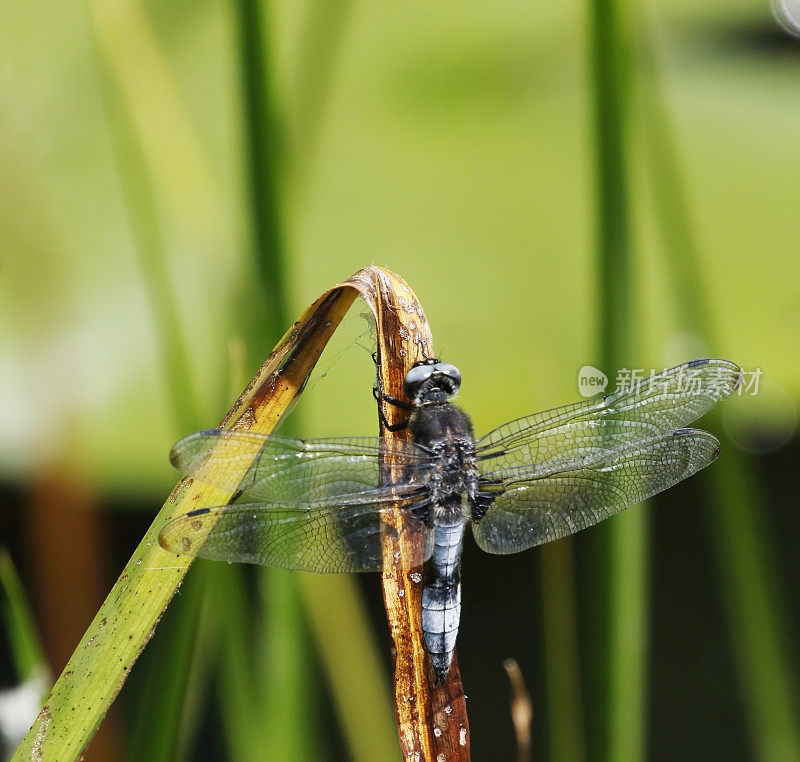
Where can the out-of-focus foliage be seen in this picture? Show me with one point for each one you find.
(452, 148)
(452, 145)
(26, 648)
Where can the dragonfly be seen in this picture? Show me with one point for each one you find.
(320, 505)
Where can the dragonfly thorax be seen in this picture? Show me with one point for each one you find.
(452, 477)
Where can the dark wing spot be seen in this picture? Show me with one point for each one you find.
(698, 363)
(198, 512)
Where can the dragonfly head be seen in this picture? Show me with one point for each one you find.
(431, 381)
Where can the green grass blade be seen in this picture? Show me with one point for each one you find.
(608, 62)
(280, 689)
(262, 135)
(139, 192)
(203, 641)
(628, 643)
(621, 608)
(27, 652)
(343, 635)
(126, 620)
(148, 89)
(324, 26)
(286, 695)
(287, 692)
(756, 602)
(172, 664)
(562, 675)
(170, 672)
(757, 607)
(108, 649)
(356, 677)
(241, 710)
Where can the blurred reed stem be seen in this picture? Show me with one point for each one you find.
(204, 642)
(178, 666)
(240, 707)
(164, 698)
(263, 169)
(27, 652)
(281, 683)
(350, 656)
(361, 703)
(324, 25)
(564, 711)
(335, 608)
(621, 609)
(139, 195)
(289, 724)
(737, 510)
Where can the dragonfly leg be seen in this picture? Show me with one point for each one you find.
(488, 490)
(381, 397)
(423, 511)
(378, 391)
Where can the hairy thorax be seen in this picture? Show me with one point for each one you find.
(453, 480)
(452, 477)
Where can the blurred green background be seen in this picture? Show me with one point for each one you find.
(179, 180)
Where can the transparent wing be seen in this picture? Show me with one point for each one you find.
(287, 469)
(562, 502)
(553, 440)
(327, 537)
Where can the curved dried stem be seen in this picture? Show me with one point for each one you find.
(431, 717)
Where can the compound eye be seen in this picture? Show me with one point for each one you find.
(451, 373)
(415, 378)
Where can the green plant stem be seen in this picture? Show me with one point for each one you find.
(325, 23)
(609, 91)
(240, 709)
(559, 611)
(622, 606)
(352, 663)
(755, 603)
(737, 513)
(139, 193)
(27, 652)
(176, 676)
(263, 169)
(285, 670)
(283, 682)
(170, 671)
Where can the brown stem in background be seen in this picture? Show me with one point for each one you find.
(521, 710)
